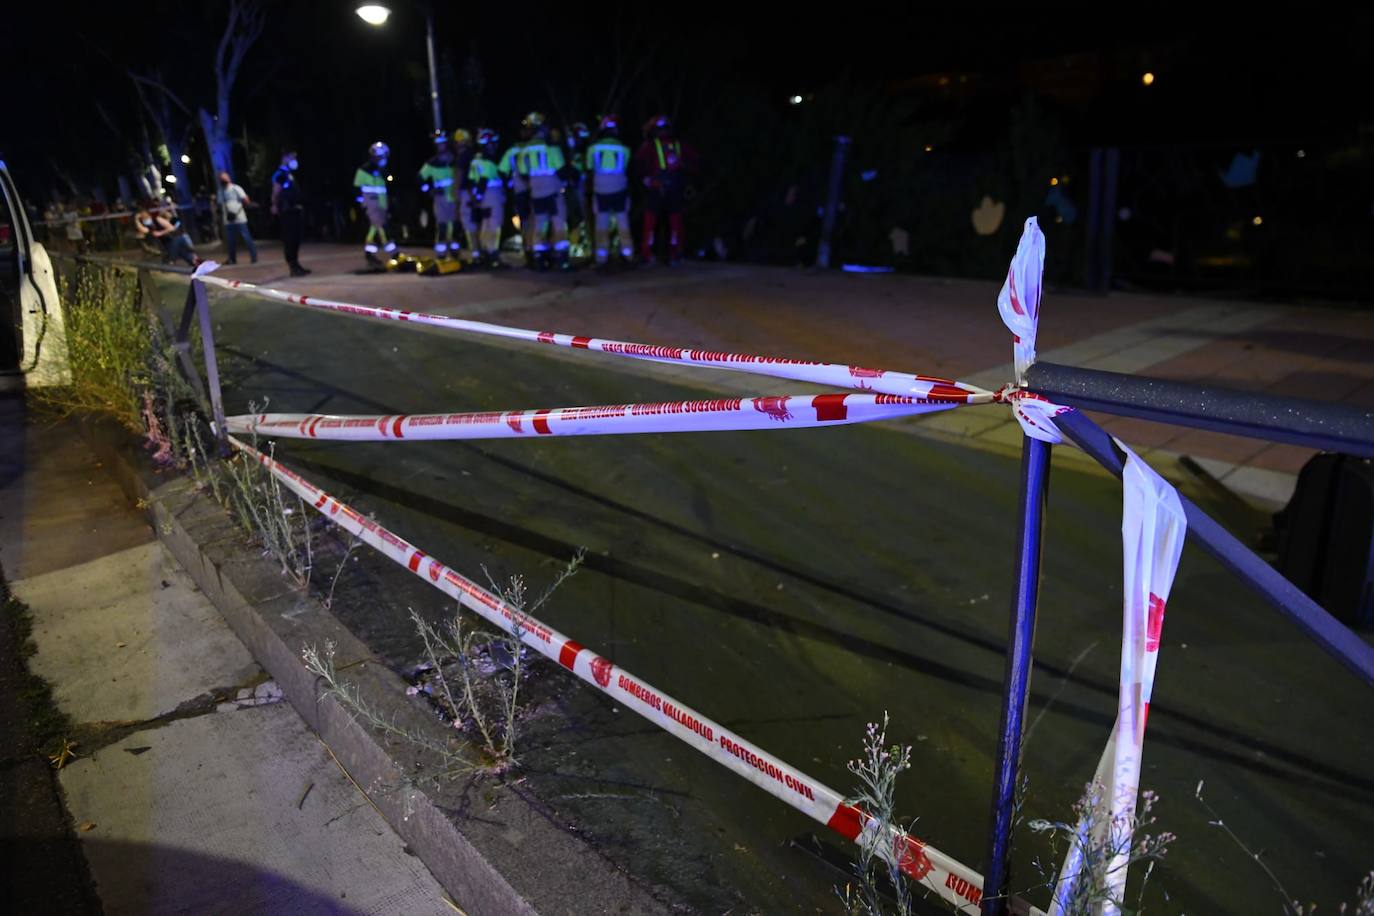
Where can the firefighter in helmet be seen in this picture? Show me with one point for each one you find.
(663, 164)
(484, 200)
(370, 181)
(544, 166)
(438, 178)
(607, 162)
(463, 151)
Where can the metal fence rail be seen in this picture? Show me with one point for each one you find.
(1280, 419)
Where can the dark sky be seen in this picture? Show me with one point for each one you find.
(323, 80)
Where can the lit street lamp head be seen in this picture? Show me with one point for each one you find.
(373, 13)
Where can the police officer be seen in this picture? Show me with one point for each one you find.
(370, 180)
(607, 161)
(438, 178)
(289, 208)
(484, 200)
(543, 163)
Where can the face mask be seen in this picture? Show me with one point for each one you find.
(224, 182)
(292, 164)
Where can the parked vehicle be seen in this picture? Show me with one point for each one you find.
(33, 348)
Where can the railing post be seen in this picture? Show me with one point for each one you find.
(181, 334)
(1035, 466)
(832, 202)
(207, 340)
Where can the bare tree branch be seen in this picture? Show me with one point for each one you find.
(157, 84)
(247, 19)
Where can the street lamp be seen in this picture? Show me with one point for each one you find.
(375, 14)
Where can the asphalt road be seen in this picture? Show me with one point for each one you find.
(797, 584)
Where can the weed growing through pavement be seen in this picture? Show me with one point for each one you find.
(471, 675)
(279, 523)
(1097, 850)
(107, 347)
(879, 861)
(453, 762)
(352, 543)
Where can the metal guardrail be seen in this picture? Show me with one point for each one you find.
(1313, 424)
(1309, 423)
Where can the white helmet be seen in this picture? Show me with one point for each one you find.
(379, 150)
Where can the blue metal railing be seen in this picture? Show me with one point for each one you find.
(1324, 426)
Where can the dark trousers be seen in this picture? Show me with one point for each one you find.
(292, 224)
(232, 233)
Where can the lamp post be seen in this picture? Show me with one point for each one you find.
(376, 14)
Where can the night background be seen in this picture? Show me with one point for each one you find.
(765, 579)
(945, 106)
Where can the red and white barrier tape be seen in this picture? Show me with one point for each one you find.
(1018, 303)
(1153, 528)
(883, 381)
(951, 880)
(122, 214)
(779, 412)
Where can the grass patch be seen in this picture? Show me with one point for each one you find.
(109, 346)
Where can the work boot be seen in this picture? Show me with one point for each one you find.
(565, 263)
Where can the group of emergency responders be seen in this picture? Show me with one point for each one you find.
(554, 193)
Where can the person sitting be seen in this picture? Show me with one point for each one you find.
(175, 244)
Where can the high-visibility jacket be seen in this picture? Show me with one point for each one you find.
(542, 162)
(608, 160)
(510, 168)
(370, 180)
(483, 169)
(439, 176)
(665, 160)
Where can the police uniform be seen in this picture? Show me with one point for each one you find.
(290, 213)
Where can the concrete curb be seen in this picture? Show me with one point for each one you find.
(513, 859)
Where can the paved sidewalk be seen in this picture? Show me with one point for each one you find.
(195, 788)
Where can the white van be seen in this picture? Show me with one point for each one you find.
(33, 342)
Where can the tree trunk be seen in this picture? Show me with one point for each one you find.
(183, 195)
(217, 141)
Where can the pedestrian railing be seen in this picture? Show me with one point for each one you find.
(1047, 400)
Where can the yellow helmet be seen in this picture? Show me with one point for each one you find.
(461, 136)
